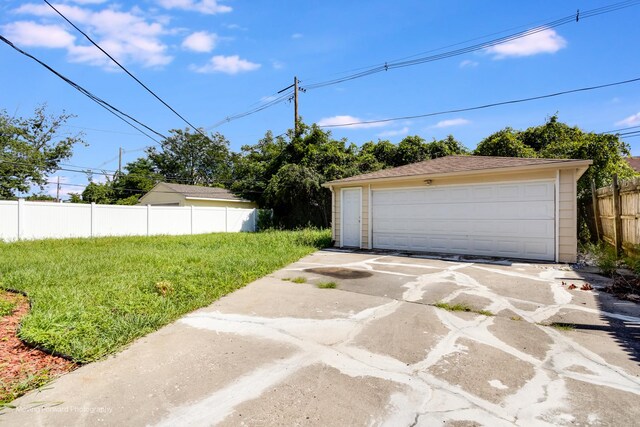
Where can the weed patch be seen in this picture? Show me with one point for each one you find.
(461, 307)
(299, 279)
(327, 285)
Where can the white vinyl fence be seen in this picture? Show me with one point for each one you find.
(22, 220)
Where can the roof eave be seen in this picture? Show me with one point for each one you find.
(580, 165)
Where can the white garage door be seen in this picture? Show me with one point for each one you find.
(515, 220)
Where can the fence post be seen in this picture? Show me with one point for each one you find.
(148, 219)
(226, 219)
(20, 218)
(93, 219)
(191, 219)
(596, 209)
(617, 220)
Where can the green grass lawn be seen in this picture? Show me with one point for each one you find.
(90, 297)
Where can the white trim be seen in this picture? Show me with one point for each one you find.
(342, 190)
(413, 187)
(370, 222)
(557, 215)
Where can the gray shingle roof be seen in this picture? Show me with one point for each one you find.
(203, 192)
(452, 164)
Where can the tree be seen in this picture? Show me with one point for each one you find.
(31, 148)
(446, 147)
(101, 194)
(555, 139)
(504, 143)
(192, 158)
(297, 197)
(139, 178)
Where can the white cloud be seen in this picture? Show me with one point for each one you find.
(397, 132)
(451, 122)
(467, 63)
(296, 36)
(545, 41)
(226, 64)
(29, 33)
(345, 121)
(208, 7)
(632, 120)
(200, 41)
(127, 36)
(277, 65)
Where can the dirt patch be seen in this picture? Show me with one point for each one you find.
(626, 288)
(23, 368)
(340, 273)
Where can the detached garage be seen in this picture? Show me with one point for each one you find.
(487, 206)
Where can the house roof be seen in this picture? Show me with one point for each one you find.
(459, 165)
(634, 162)
(200, 192)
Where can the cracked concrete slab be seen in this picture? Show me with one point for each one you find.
(374, 351)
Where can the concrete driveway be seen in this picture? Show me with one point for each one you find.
(374, 351)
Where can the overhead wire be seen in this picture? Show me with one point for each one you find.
(104, 104)
(125, 70)
(406, 61)
(480, 107)
(479, 46)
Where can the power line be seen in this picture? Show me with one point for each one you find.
(104, 104)
(403, 62)
(618, 130)
(270, 102)
(480, 107)
(480, 46)
(125, 70)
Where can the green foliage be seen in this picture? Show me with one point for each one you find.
(6, 306)
(100, 193)
(139, 177)
(461, 307)
(134, 285)
(191, 158)
(299, 279)
(265, 219)
(40, 197)
(504, 143)
(30, 149)
(632, 260)
(604, 256)
(327, 285)
(286, 173)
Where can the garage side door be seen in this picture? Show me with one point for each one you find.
(515, 220)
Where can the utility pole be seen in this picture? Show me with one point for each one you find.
(58, 191)
(120, 161)
(295, 102)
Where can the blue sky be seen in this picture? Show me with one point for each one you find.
(211, 59)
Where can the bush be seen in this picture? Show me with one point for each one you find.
(265, 219)
(604, 256)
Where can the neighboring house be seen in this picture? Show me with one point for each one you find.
(168, 194)
(634, 162)
(491, 206)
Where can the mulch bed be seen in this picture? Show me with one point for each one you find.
(625, 287)
(23, 368)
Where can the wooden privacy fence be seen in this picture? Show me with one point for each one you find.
(617, 213)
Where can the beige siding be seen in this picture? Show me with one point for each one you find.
(364, 220)
(567, 244)
(162, 195)
(567, 229)
(219, 204)
(336, 226)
